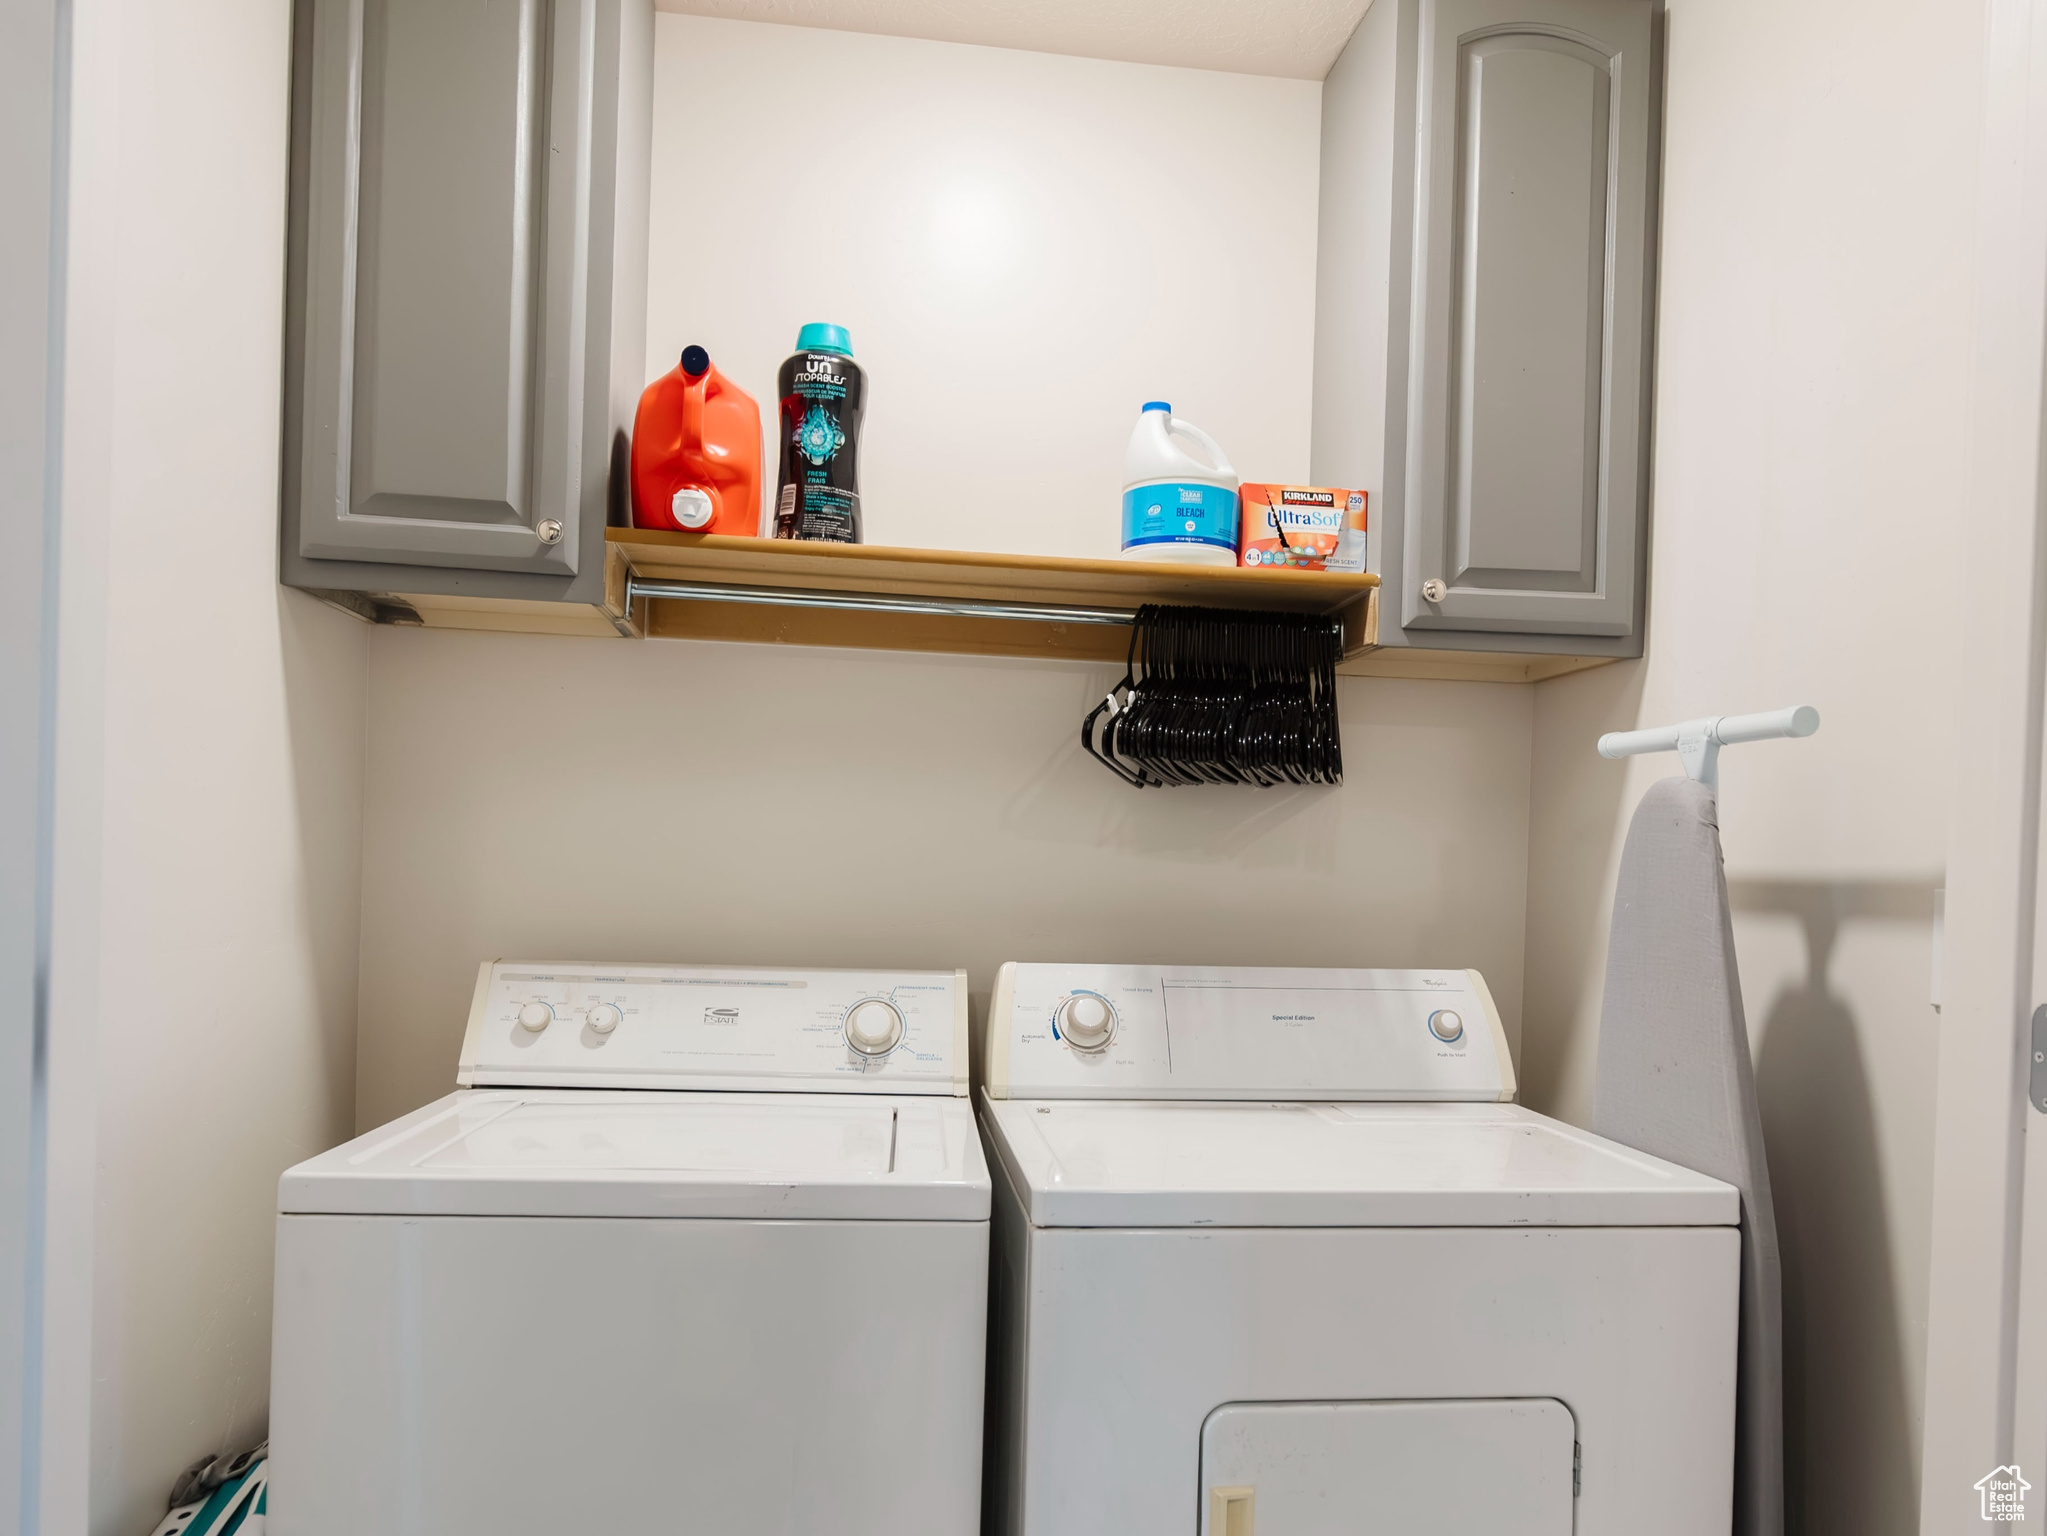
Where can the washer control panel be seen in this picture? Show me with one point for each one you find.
(1214, 1032)
(588, 1024)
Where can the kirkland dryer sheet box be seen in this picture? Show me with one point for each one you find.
(1301, 527)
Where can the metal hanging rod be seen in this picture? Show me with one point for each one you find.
(882, 602)
(876, 602)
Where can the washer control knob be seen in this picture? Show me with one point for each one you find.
(1086, 1021)
(536, 1017)
(874, 1028)
(1446, 1026)
(604, 1018)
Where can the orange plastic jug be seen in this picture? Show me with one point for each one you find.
(697, 452)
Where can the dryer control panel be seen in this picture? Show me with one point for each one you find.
(586, 1024)
(1216, 1032)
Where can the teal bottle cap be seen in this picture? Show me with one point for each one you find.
(824, 338)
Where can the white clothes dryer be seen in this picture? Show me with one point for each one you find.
(690, 1249)
(1275, 1250)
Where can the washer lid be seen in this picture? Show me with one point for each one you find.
(1093, 1164)
(579, 1153)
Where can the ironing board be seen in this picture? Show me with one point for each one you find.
(1675, 1079)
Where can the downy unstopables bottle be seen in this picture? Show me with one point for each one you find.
(817, 494)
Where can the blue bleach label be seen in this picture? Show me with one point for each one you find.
(1180, 512)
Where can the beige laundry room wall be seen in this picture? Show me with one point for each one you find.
(680, 800)
(1025, 248)
(209, 771)
(1814, 324)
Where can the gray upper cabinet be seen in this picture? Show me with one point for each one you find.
(1483, 322)
(468, 290)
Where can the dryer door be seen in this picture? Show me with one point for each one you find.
(1436, 1468)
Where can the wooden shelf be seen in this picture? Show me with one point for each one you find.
(770, 565)
(1041, 579)
(956, 573)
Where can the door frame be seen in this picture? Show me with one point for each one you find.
(34, 153)
(1991, 951)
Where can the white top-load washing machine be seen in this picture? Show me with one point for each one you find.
(571, 1298)
(1275, 1250)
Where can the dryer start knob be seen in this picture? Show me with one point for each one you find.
(874, 1028)
(536, 1017)
(1446, 1026)
(1086, 1021)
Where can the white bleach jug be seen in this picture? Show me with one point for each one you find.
(1176, 506)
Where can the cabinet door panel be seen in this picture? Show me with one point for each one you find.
(1531, 248)
(1526, 455)
(448, 240)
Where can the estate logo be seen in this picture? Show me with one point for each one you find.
(2004, 1495)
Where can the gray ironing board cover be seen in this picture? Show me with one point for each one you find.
(1676, 1080)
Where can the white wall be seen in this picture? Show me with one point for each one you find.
(1026, 248)
(680, 800)
(210, 770)
(1818, 211)
(1296, 38)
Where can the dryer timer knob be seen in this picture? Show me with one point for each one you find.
(1086, 1021)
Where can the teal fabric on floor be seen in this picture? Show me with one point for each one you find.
(238, 1507)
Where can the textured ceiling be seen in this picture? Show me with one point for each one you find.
(1299, 39)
